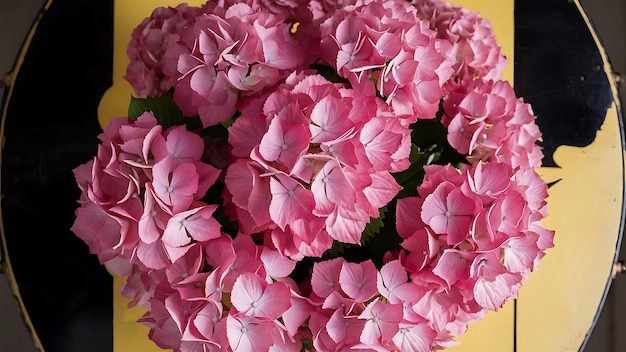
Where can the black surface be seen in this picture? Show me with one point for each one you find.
(559, 71)
(51, 128)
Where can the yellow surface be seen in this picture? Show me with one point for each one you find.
(559, 301)
(128, 335)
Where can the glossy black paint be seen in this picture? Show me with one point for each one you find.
(51, 127)
(560, 72)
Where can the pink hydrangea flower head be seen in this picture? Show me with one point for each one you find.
(318, 166)
(383, 47)
(467, 38)
(149, 42)
(235, 52)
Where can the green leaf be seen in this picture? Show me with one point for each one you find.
(164, 109)
(336, 250)
(373, 227)
(328, 72)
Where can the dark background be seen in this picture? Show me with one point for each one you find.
(609, 17)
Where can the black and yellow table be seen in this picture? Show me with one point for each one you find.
(67, 82)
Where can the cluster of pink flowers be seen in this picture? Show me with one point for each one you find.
(315, 165)
(141, 195)
(296, 236)
(468, 41)
(383, 47)
(149, 42)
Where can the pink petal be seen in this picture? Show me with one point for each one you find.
(249, 334)
(152, 255)
(325, 277)
(299, 311)
(407, 219)
(391, 276)
(451, 266)
(184, 145)
(382, 190)
(246, 133)
(329, 118)
(491, 294)
(331, 188)
(254, 297)
(290, 201)
(343, 329)
(275, 264)
(414, 337)
(382, 322)
(197, 223)
(521, 252)
(201, 225)
(275, 301)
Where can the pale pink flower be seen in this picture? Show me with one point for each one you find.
(337, 300)
(154, 218)
(253, 296)
(276, 265)
(285, 140)
(393, 283)
(325, 277)
(489, 180)
(297, 314)
(196, 224)
(358, 280)
(383, 47)
(344, 330)
(448, 211)
(494, 284)
(290, 201)
(204, 323)
(249, 334)
(508, 214)
(414, 337)
(421, 248)
(452, 266)
(520, 252)
(175, 184)
(381, 322)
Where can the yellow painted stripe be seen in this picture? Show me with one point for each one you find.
(128, 334)
(557, 305)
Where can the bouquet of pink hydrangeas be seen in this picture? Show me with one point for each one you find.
(316, 175)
